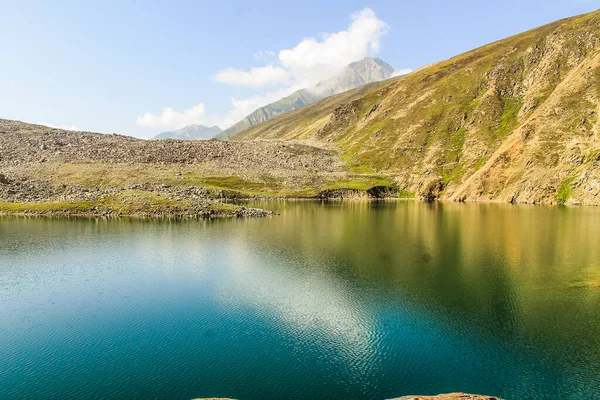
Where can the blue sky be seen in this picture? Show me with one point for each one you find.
(114, 66)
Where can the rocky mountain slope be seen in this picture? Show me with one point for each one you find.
(190, 132)
(358, 73)
(513, 121)
(53, 171)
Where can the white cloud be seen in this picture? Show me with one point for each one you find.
(303, 66)
(312, 60)
(169, 118)
(400, 72)
(262, 55)
(65, 127)
(261, 76)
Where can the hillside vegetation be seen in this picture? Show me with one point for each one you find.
(513, 121)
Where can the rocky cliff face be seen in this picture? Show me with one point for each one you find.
(513, 121)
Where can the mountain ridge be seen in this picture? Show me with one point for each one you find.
(295, 100)
(358, 73)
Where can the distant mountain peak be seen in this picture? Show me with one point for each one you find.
(370, 60)
(358, 73)
(190, 132)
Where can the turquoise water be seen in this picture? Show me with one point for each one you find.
(339, 301)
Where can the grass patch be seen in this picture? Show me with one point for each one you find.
(565, 190)
(53, 206)
(452, 174)
(128, 202)
(406, 194)
(362, 169)
(592, 156)
(509, 119)
(480, 162)
(142, 201)
(354, 166)
(139, 180)
(362, 183)
(234, 183)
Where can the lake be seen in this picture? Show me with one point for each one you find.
(341, 300)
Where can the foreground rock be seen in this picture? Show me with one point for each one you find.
(450, 396)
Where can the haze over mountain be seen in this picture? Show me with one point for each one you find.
(352, 76)
(190, 132)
